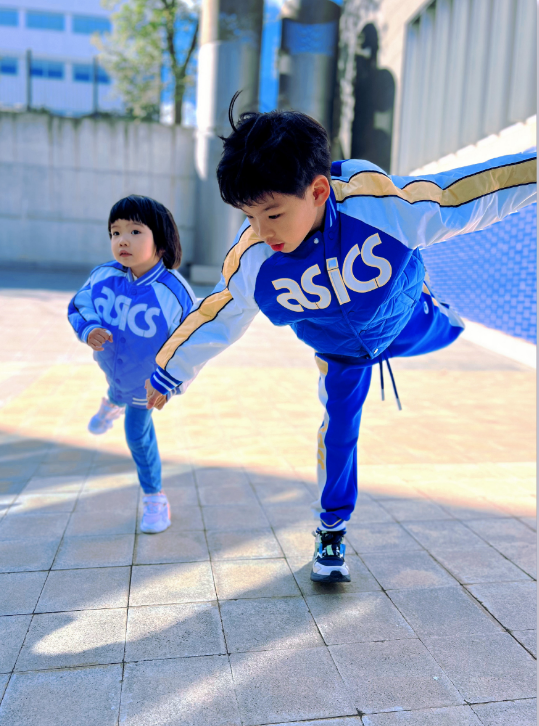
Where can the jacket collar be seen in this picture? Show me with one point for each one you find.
(149, 276)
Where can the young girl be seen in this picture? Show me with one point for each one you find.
(125, 312)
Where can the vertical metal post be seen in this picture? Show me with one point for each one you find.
(28, 80)
(95, 87)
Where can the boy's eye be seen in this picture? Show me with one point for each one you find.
(135, 231)
(275, 216)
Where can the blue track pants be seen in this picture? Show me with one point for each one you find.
(343, 386)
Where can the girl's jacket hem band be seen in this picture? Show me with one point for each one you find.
(350, 288)
(140, 314)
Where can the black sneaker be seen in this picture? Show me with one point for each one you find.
(328, 561)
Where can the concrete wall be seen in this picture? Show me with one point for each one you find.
(59, 178)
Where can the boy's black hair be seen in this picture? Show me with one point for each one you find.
(275, 152)
(155, 216)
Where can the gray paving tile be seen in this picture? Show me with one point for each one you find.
(243, 545)
(523, 556)
(105, 551)
(358, 617)
(102, 523)
(514, 604)
(508, 713)
(482, 510)
(413, 510)
(290, 515)
(486, 667)
(403, 570)
(368, 511)
(380, 538)
(179, 692)
(88, 589)
(21, 555)
(392, 676)
(253, 579)
(44, 503)
(528, 638)
(174, 583)
(173, 545)
(268, 624)
(181, 496)
(506, 531)
(218, 476)
(174, 631)
(28, 526)
(3, 683)
(288, 685)
(362, 580)
(443, 535)
(19, 592)
(530, 522)
(287, 493)
(443, 611)
(13, 631)
(227, 494)
(54, 484)
(89, 696)
(453, 716)
(242, 516)
(296, 541)
(96, 500)
(78, 638)
(345, 721)
(484, 565)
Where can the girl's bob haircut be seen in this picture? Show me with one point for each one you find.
(155, 216)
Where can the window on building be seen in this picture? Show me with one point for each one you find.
(470, 70)
(9, 17)
(88, 24)
(9, 66)
(84, 73)
(47, 69)
(45, 21)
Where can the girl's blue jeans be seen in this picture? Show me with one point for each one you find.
(142, 442)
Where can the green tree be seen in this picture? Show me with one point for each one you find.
(147, 37)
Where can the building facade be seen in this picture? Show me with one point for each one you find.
(47, 59)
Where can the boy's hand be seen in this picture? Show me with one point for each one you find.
(154, 398)
(97, 337)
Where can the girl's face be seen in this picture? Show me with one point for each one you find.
(133, 246)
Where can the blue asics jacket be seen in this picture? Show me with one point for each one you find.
(141, 315)
(350, 288)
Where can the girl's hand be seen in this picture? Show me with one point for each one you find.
(154, 398)
(97, 337)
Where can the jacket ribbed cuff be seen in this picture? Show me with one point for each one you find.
(87, 330)
(163, 381)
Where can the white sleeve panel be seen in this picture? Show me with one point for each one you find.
(221, 318)
(419, 211)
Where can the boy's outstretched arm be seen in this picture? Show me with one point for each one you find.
(216, 322)
(419, 211)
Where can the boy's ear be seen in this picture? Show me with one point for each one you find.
(320, 190)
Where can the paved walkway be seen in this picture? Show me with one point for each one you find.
(215, 622)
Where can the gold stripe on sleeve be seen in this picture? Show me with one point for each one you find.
(211, 306)
(374, 184)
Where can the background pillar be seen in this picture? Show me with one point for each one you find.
(228, 61)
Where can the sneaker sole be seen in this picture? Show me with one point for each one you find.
(334, 576)
(155, 531)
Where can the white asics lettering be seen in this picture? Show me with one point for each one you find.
(295, 299)
(125, 315)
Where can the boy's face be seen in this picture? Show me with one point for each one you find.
(133, 246)
(283, 221)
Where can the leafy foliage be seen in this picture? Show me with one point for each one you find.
(151, 41)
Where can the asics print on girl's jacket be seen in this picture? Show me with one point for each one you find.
(350, 288)
(141, 315)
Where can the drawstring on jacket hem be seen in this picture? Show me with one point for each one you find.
(399, 405)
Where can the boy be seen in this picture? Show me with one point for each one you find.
(333, 251)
